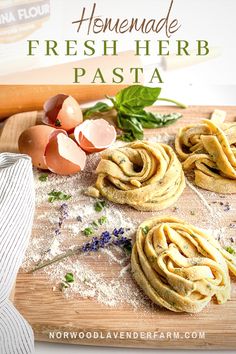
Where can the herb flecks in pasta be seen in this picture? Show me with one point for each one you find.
(178, 271)
(209, 149)
(150, 176)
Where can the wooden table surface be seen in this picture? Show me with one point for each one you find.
(48, 310)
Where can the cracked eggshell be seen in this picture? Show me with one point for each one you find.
(62, 111)
(63, 156)
(33, 142)
(95, 135)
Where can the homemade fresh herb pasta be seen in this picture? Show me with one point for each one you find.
(209, 149)
(180, 267)
(145, 175)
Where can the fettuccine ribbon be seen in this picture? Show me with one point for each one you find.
(147, 176)
(210, 150)
(180, 267)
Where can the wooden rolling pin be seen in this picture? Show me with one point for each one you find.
(22, 98)
(27, 91)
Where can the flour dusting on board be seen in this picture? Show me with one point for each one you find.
(105, 275)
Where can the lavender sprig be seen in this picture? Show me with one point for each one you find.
(97, 243)
(106, 239)
(118, 232)
(63, 216)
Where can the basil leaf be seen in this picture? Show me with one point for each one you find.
(167, 119)
(157, 120)
(151, 120)
(132, 122)
(130, 104)
(137, 96)
(127, 137)
(131, 125)
(98, 107)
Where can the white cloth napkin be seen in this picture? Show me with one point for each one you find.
(16, 217)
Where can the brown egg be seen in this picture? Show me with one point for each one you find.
(62, 111)
(63, 156)
(33, 142)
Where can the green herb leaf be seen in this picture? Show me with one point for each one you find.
(158, 120)
(98, 107)
(95, 224)
(132, 118)
(131, 115)
(99, 205)
(43, 177)
(230, 250)
(130, 125)
(137, 96)
(88, 231)
(145, 230)
(69, 278)
(57, 195)
(128, 137)
(132, 122)
(102, 220)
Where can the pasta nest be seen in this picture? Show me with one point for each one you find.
(180, 267)
(145, 175)
(209, 149)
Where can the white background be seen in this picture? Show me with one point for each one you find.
(211, 20)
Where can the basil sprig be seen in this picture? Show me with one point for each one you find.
(98, 107)
(132, 118)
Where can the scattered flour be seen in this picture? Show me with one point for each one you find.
(124, 270)
(162, 138)
(105, 275)
(204, 201)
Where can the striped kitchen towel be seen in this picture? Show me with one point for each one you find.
(16, 217)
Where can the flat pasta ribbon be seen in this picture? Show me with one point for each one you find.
(180, 267)
(147, 176)
(209, 149)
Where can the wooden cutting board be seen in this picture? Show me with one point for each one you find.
(48, 311)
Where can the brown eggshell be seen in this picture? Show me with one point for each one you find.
(63, 112)
(63, 156)
(33, 142)
(95, 135)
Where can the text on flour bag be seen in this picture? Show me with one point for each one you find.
(20, 18)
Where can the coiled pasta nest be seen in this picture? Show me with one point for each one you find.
(180, 267)
(209, 149)
(147, 176)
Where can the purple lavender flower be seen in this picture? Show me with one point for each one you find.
(106, 239)
(123, 242)
(63, 216)
(118, 232)
(64, 211)
(57, 231)
(97, 243)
